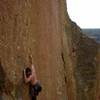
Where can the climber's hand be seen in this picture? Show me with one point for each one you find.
(30, 59)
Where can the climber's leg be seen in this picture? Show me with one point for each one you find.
(33, 97)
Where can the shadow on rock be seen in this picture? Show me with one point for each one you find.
(2, 80)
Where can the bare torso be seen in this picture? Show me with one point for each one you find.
(34, 79)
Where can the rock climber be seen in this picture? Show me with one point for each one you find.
(31, 78)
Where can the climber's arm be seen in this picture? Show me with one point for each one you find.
(33, 69)
(32, 65)
(27, 79)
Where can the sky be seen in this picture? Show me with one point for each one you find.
(84, 12)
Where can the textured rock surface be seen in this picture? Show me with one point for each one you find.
(31, 27)
(85, 58)
(63, 57)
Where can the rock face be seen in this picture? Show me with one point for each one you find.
(65, 60)
(84, 56)
(31, 27)
(86, 69)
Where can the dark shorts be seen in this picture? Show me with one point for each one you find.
(35, 89)
(33, 98)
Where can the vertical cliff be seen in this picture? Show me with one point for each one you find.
(84, 55)
(81, 56)
(31, 27)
